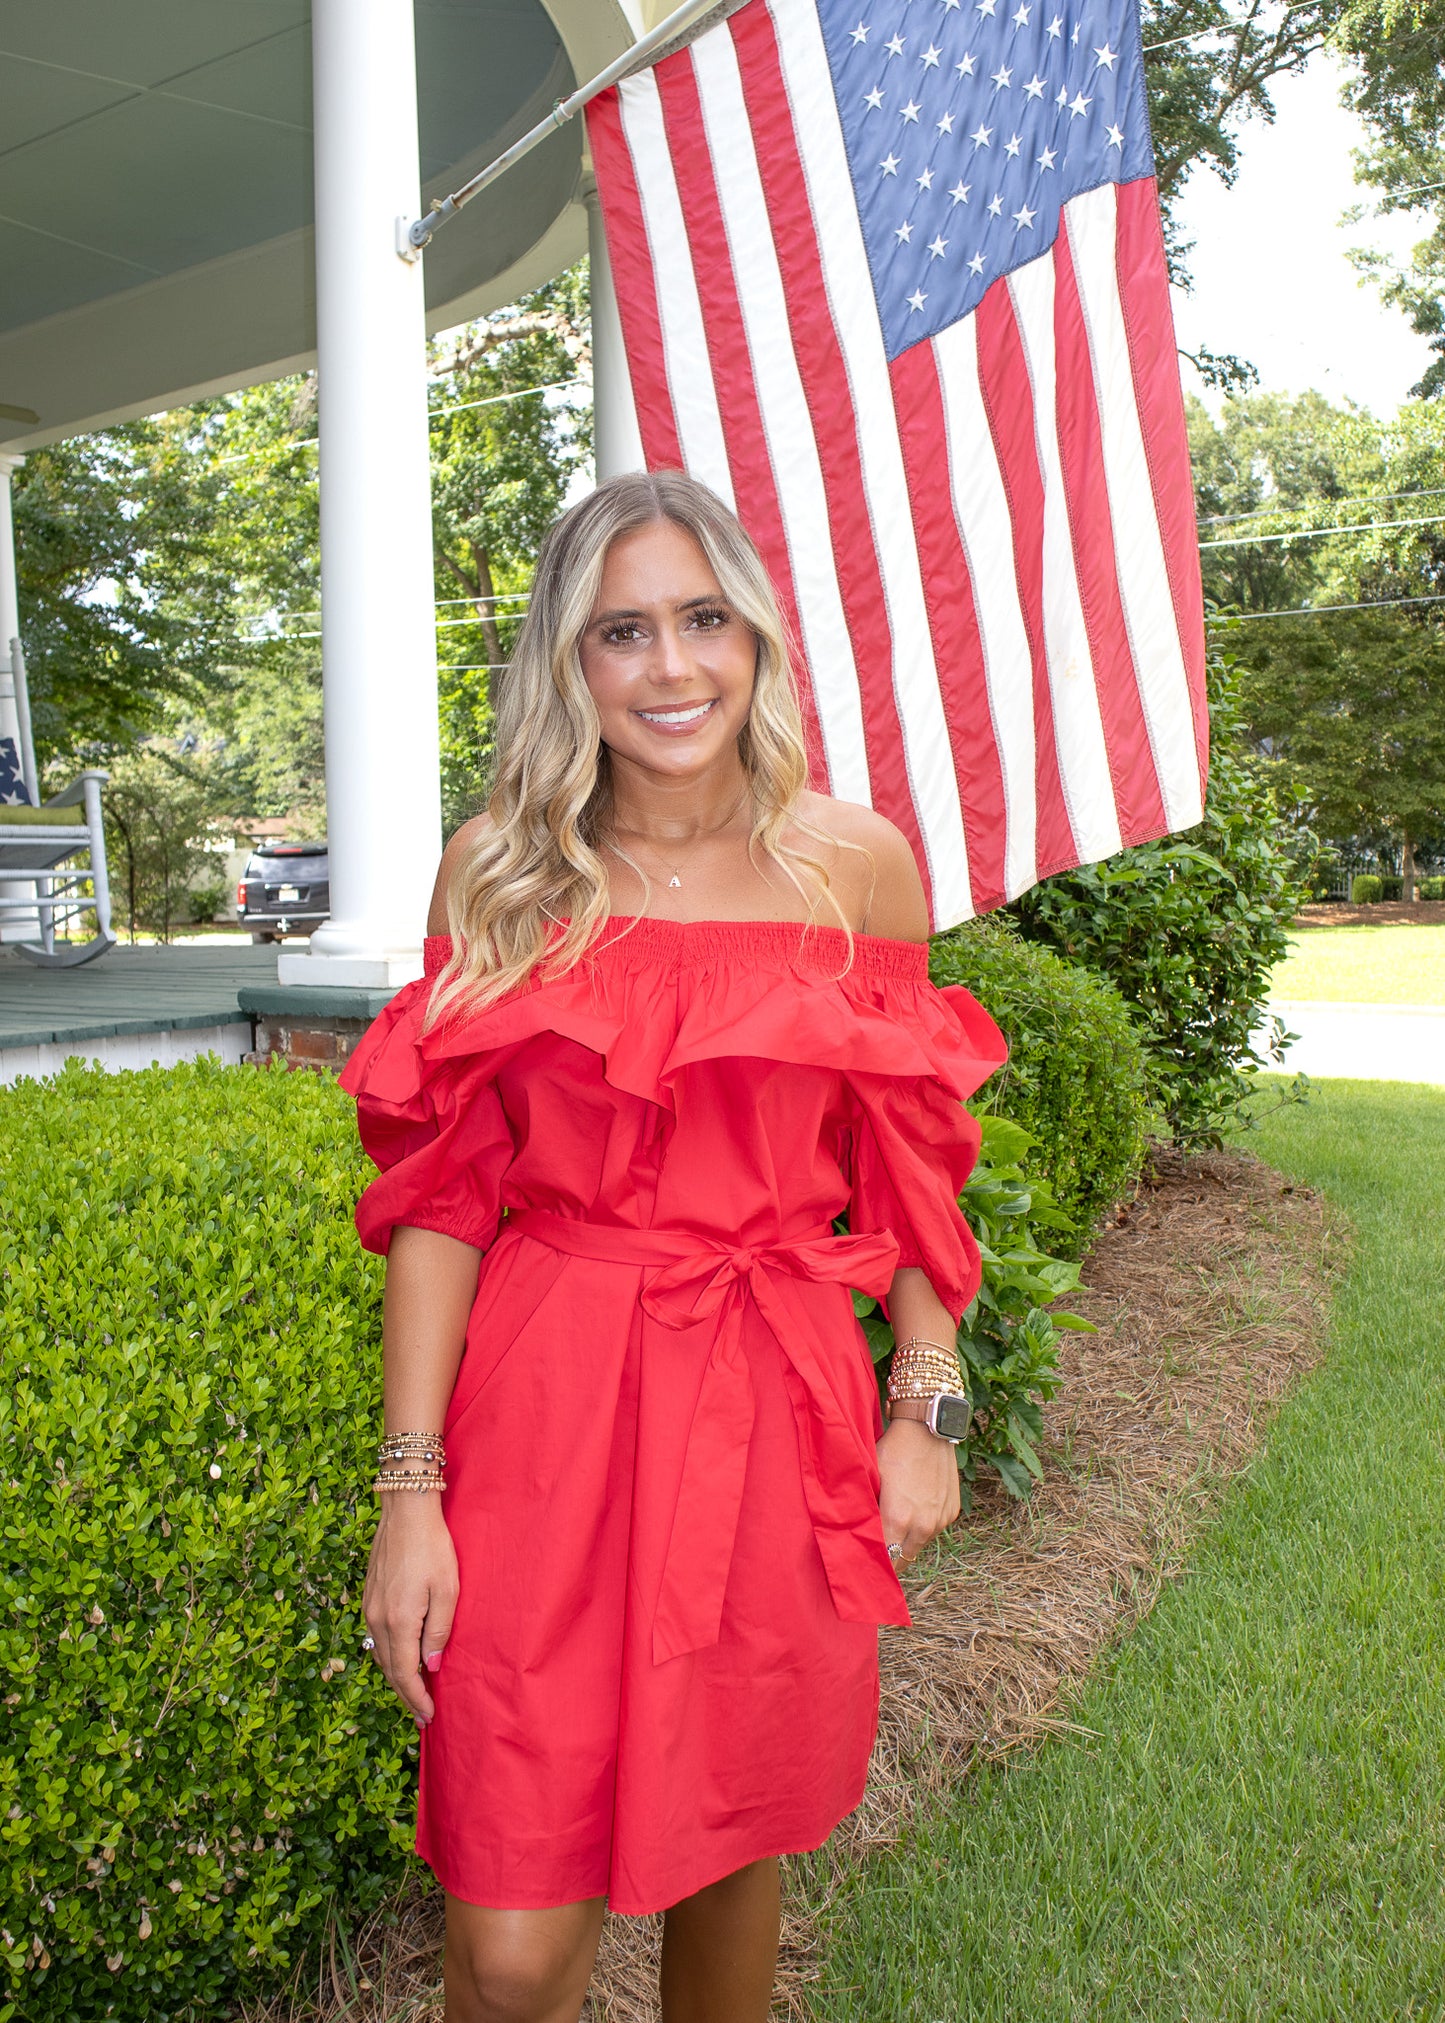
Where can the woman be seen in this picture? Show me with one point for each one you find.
(676, 1021)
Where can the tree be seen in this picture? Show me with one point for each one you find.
(1352, 715)
(122, 600)
(503, 458)
(159, 810)
(1208, 68)
(1328, 508)
(1398, 88)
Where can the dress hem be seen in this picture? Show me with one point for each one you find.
(809, 1844)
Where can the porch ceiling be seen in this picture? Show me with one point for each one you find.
(156, 188)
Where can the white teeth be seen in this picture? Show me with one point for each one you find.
(675, 716)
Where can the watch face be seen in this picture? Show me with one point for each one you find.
(952, 1416)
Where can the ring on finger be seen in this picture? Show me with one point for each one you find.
(368, 1643)
(895, 1552)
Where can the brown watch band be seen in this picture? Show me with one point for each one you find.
(910, 1408)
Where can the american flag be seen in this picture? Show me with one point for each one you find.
(892, 282)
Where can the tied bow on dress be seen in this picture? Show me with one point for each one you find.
(686, 1281)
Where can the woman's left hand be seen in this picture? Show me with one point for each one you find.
(918, 1496)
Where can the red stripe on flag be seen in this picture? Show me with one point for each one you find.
(1008, 401)
(1135, 781)
(953, 622)
(749, 459)
(824, 375)
(1149, 321)
(634, 281)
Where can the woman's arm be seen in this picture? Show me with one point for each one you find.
(919, 1496)
(411, 1583)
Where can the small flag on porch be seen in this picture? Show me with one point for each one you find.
(892, 282)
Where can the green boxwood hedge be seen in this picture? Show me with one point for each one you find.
(194, 1757)
(1077, 1077)
(195, 1762)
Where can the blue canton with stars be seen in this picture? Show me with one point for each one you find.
(969, 123)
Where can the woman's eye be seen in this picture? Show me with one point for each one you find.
(710, 620)
(622, 634)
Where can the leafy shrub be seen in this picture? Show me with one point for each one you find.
(1365, 889)
(1007, 1341)
(205, 901)
(195, 1758)
(1188, 932)
(1431, 888)
(1076, 1079)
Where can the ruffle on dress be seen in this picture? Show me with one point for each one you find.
(653, 998)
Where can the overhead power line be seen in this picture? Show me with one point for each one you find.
(1199, 34)
(1322, 610)
(1353, 499)
(1313, 533)
(548, 386)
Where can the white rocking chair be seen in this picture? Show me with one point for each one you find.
(42, 845)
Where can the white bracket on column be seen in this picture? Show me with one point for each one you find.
(442, 208)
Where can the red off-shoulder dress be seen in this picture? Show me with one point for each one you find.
(663, 1485)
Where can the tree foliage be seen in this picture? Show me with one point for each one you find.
(1347, 706)
(1397, 86)
(503, 459)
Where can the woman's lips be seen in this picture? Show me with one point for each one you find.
(677, 722)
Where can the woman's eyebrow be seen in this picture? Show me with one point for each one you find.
(688, 604)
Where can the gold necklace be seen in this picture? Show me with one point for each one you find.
(674, 883)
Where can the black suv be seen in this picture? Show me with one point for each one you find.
(285, 889)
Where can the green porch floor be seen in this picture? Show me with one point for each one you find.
(128, 990)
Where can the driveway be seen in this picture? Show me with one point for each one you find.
(1366, 1042)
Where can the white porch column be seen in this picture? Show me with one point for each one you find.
(13, 926)
(378, 636)
(10, 462)
(616, 439)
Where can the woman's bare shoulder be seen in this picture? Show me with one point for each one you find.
(462, 840)
(889, 890)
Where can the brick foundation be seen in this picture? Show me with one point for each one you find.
(308, 1026)
(305, 1043)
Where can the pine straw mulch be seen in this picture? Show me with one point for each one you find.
(1209, 1291)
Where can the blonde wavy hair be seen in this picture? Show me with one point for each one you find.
(530, 893)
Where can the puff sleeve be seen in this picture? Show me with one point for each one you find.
(914, 1144)
(436, 1129)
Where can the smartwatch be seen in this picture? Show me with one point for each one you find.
(946, 1413)
(949, 1416)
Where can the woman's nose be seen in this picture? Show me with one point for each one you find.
(672, 661)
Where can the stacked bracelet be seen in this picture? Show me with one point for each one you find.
(410, 1461)
(921, 1369)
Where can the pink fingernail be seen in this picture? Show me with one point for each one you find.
(433, 1661)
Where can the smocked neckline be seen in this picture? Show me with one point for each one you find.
(790, 944)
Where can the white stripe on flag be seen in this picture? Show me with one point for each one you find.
(1078, 725)
(1091, 222)
(981, 514)
(684, 338)
(783, 406)
(927, 746)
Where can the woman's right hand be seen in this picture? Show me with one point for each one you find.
(411, 1595)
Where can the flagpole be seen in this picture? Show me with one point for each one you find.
(413, 237)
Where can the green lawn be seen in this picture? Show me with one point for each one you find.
(1259, 1829)
(1365, 965)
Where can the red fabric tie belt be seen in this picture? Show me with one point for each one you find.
(687, 1280)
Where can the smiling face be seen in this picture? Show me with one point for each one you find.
(667, 660)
